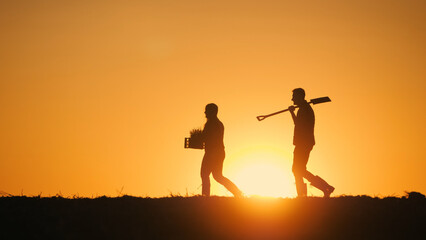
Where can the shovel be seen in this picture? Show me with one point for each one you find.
(313, 101)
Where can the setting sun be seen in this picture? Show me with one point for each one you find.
(262, 171)
(263, 179)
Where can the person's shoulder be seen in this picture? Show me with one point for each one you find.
(214, 122)
(306, 108)
(218, 123)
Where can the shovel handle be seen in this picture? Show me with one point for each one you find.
(262, 117)
(313, 101)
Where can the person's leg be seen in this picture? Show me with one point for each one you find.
(205, 175)
(300, 159)
(315, 181)
(218, 176)
(306, 174)
(309, 176)
(322, 185)
(300, 186)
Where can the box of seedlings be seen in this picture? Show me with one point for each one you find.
(195, 140)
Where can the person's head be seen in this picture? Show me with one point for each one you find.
(298, 96)
(211, 110)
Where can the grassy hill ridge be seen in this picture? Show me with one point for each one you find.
(345, 217)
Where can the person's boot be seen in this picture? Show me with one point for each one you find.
(322, 185)
(238, 194)
(302, 189)
(236, 191)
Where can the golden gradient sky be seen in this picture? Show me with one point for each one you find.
(96, 97)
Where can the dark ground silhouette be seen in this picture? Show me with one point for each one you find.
(348, 217)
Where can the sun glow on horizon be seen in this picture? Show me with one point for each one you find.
(264, 172)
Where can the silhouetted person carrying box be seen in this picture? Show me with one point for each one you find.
(214, 153)
(304, 141)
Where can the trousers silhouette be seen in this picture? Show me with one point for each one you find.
(213, 164)
(301, 157)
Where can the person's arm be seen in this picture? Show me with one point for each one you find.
(293, 115)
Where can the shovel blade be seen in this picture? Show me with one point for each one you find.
(320, 100)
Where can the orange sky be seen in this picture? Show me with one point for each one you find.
(96, 97)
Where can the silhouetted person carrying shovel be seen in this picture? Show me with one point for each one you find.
(214, 153)
(304, 141)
